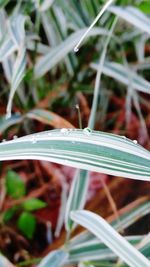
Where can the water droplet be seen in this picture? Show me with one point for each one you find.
(33, 140)
(64, 131)
(135, 141)
(4, 140)
(15, 137)
(87, 131)
(76, 49)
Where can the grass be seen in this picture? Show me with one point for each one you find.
(56, 55)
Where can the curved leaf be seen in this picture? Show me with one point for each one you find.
(49, 60)
(96, 151)
(125, 76)
(56, 258)
(101, 229)
(132, 15)
(49, 117)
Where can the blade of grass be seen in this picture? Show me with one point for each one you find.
(105, 7)
(96, 151)
(125, 75)
(100, 228)
(56, 258)
(49, 60)
(79, 188)
(18, 74)
(132, 15)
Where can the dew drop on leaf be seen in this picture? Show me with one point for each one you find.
(64, 131)
(87, 131)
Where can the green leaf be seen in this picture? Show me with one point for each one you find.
(77, 196)
(56, 258)
(17, 77)
(9, 214)
(144, 6)
(33, 204)
(27, 224)
(3, 3)
(125, 76)
(14, 185)
(93, 250)
(49, 60)
(90, 150)
(119, 245)
(132, 15)
(6, 123)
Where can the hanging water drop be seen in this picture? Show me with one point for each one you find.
(135, 141)
(76, 49)
(87, 131)
(15, 137)
(4, 140)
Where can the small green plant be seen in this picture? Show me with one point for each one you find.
(26, 221)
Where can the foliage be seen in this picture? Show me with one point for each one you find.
(36, 50)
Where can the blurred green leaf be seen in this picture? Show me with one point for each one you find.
(9, 214)
(27, 224)
(14, 185)
(3, 3)
(33, 204)
(144, 6)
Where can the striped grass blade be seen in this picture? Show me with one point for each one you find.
(89, 150)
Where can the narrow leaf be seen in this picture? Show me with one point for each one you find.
(100, 228)
(6, 123)
(125, 76)
(95, 151)
(17, 30)
(77, 196)
(49, 60)
(49, 117)
(18, 74)
(132, 15)
(56, 258)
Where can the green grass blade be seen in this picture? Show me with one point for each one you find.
(100, 228)
(49, 60)
(7, 48)
(6, 123)
(77, 196)
(93, 250)
(56, 258)
(132, 15)
(78, 193)
(46, 4)
(125, 76)
(17, 29)
(96, 151)
(105, 7)
(18, 74)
